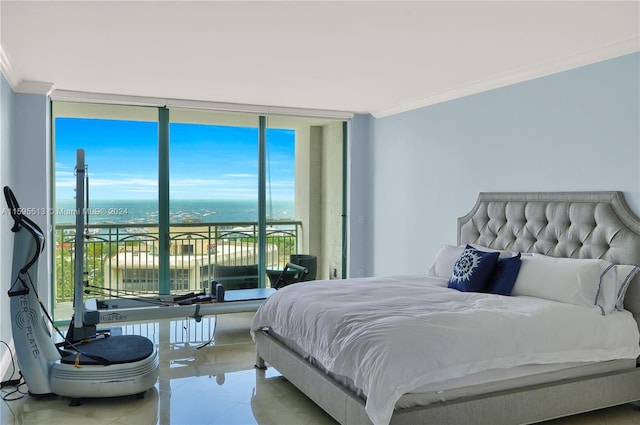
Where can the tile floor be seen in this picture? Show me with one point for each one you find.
(205, 382)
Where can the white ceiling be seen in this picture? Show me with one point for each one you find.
(378, 57)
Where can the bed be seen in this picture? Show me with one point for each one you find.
(427, 380)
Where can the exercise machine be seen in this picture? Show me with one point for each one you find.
(100, 365)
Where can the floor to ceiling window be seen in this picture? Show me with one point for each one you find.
(121, 151)
(180, 197)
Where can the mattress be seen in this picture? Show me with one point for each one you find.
(395, 336)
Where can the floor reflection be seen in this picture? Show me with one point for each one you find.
(206, 377)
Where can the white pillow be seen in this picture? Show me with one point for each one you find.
(613, 287)
(446, 258)
(573, 281)
(586, 282)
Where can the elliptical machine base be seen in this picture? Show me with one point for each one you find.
(133, 371)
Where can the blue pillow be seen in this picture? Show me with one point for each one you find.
(472, 270)
(504, 275)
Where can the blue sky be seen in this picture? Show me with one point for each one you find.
(206, 161)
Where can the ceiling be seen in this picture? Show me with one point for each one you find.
(379, 57)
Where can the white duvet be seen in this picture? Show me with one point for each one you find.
(394, 335)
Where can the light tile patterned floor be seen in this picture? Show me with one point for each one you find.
(213, 385)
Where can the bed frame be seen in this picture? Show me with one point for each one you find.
(560, 224)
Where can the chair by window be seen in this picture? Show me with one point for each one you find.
(236, 277)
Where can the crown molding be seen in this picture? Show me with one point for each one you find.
(7, 69)
(16, 83)
(34, 87)
(610, 51)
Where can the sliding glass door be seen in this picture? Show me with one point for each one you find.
(214, 201)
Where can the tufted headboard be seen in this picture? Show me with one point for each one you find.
(559, 224)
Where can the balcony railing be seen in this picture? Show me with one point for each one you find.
(123, 258)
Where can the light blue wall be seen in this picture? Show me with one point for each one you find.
(30, 149)
(575, 130)
(24, 148)
(6, 120)
(360, 195)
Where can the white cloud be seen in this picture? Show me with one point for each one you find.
(241, 176)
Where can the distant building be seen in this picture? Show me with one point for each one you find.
(191, 262)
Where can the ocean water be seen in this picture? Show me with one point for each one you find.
(102, 211)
